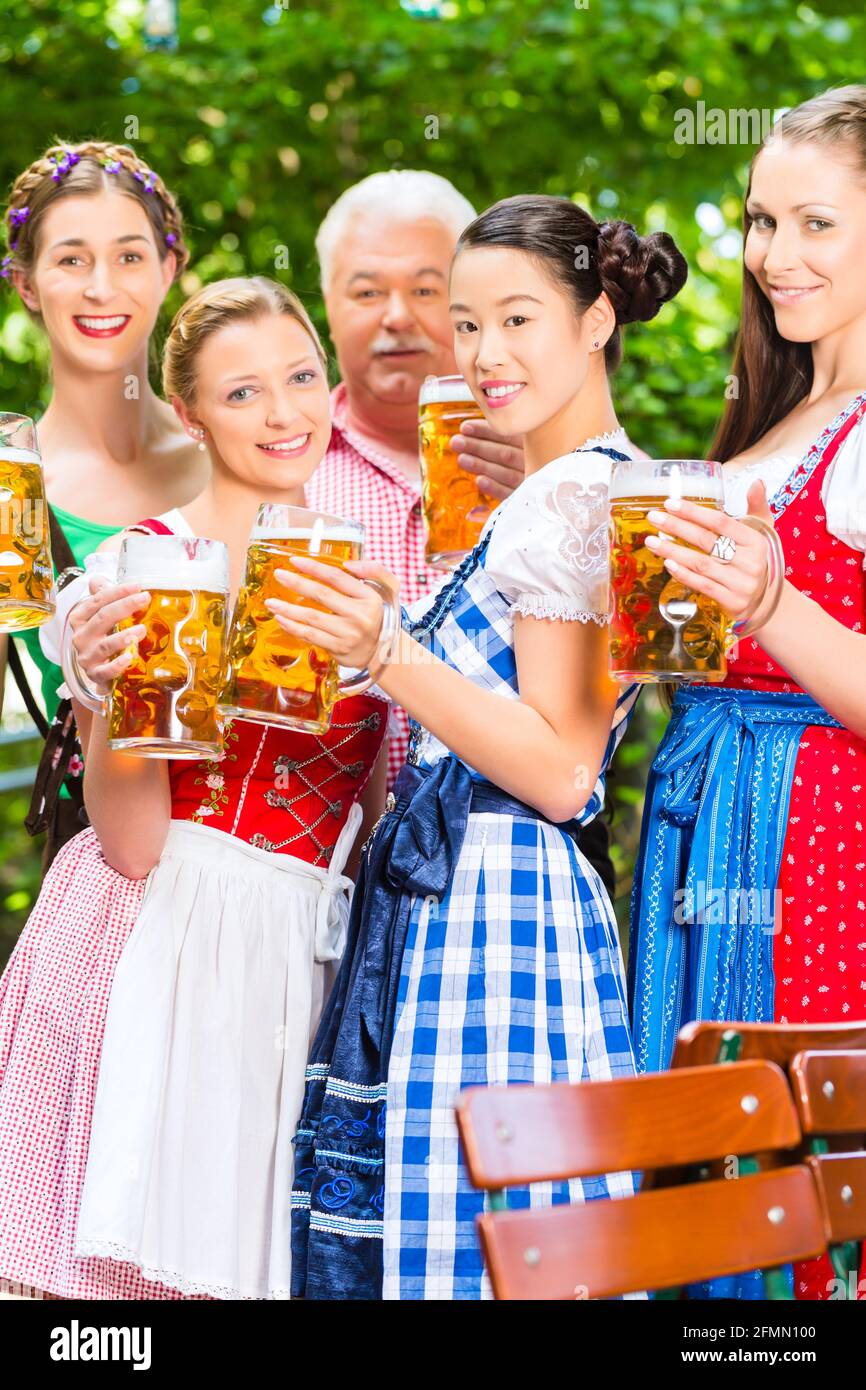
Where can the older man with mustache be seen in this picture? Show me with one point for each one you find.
(385, 250)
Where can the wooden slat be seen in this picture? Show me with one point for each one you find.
(662, 1239)
(698, 1043)
(830, 1091)
(841, 1183)
(514, 1135)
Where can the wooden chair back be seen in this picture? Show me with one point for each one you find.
(829, 1090)
(657, 1240)
(701, 1043)
(518, 1135)
(514, 1135)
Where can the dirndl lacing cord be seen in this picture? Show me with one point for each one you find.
(712, 834)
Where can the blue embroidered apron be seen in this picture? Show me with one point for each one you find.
(703, 903)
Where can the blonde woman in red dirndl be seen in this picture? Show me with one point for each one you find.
(156, 1013)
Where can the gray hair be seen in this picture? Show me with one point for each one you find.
(405, 195)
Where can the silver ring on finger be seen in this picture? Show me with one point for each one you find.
(724, 549)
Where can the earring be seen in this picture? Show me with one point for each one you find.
(596, 343)
(201, 444)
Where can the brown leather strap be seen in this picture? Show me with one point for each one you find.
(61, 737)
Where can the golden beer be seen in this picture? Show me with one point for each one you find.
(166, 699)
(659, 629)
(273, 678)
(455, 508)
(26, 571)
(164, 704)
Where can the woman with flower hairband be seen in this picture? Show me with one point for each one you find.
(95, 243)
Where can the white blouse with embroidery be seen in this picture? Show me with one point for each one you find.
(548, 553)
(843, 492)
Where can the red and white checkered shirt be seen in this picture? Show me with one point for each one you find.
(355, 480)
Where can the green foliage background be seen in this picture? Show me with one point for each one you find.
(263, 115)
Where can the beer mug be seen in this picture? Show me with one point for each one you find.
(272, 677)
(660, 630)
(455, 508)
(164, 705)
(26, 571)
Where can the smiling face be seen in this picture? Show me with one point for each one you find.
(262, 398)
(97, 280)
(805, 244)
(519, 341)
(387, 303)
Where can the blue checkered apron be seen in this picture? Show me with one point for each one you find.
(482, 949)
(513, 975)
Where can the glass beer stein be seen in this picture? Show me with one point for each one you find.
(660, 630)
(273, 677)
(26, 571)
(164, 705)
(455, 508)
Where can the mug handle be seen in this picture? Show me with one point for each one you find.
(761, 610)
(75, 678)
(391, 624)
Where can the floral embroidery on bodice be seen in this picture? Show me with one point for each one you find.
(282, 790)
(279, 789)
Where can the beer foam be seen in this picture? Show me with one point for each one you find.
(305, 533)
(10, 455)
(435, 391)
(172, 570)
(635, 481)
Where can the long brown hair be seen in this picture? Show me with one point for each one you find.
(772, 374)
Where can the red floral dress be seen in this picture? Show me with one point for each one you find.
(282, 794)
(819, 954)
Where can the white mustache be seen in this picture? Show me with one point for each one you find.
(398, 345)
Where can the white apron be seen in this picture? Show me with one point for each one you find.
(214, 1002)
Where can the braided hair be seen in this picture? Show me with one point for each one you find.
(91, 166)
(638, 273)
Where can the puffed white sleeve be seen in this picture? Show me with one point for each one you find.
(844, 491)
(102, 562)
(548, 553)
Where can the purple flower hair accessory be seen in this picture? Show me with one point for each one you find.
(5, 268)
(62, 164)
(147, 177)
(17, 217)
(144, 176)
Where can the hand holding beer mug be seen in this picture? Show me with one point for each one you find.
(455, 508)
(661, 629)
(171, 658)
(273, 676)
(26, 571)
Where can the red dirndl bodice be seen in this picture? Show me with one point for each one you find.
(279, 789)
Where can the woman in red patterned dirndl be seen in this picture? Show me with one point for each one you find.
(775, 758)
(156, 1014)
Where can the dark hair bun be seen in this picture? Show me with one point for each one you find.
(638, 273)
